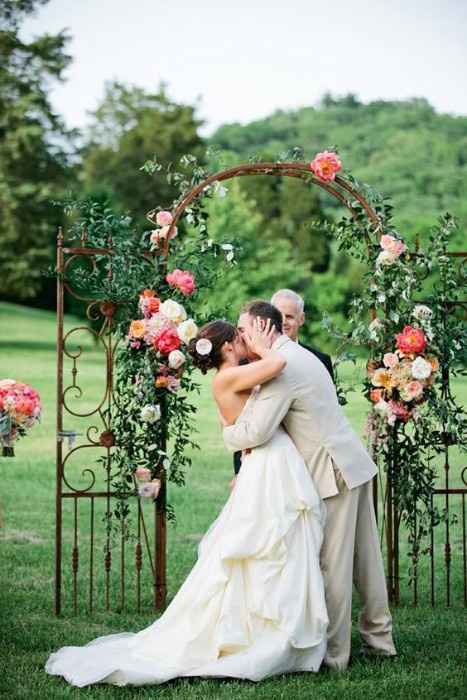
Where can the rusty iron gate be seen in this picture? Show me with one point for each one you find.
(108, 568)
(434, 579)
(102, 572)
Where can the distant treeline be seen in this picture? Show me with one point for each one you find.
(404, 149)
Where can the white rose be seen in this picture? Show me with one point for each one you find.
(421, 369)
(229, 251)
(382, 407)
(187, 331)
(422, 312)
(176, 359)
(203, 346)
(386, 258)
(173, 311)
(150, 413)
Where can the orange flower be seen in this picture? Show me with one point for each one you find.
(137, 329)
(376, 395)
(162, 382)
(434, 362)
(148, 293)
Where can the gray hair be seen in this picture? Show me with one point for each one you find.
(289, 294)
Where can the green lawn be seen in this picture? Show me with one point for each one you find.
(432, 643)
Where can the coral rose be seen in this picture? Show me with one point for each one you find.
(166, 340)
(376, 395)
(149, 303)
(411, 340)
(326, 165)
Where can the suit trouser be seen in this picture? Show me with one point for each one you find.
(351, 551)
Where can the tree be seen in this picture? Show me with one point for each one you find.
(33, 161)
(129, 127)
(263, 264)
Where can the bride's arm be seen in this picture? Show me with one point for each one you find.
(269, 365)
(245, 377)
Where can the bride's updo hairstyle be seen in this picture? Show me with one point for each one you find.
(207, 355)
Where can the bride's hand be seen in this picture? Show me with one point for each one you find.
(260, 339)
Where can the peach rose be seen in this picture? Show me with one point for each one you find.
(392, 245)
(382, 378)
(411, 340)
(137, 329)
(412, 390)
(326, 165)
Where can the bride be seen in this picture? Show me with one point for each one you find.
(253, 605)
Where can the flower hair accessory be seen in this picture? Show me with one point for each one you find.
(203, 346)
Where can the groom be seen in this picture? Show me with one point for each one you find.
(303, 399)
(291, 306)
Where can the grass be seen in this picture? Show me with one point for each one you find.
(431, 642)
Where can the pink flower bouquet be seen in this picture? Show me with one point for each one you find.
(20, 409)
(401, 379)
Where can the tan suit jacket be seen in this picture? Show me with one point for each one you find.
(303, 398)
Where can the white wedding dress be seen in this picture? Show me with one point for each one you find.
(252, 606)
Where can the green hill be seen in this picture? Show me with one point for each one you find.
(403, 148)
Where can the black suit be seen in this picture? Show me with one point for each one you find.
(327, 362)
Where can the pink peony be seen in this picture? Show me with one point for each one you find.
(411, 340)
(400, 411)
(390, 360)
(173, 384)
(182, 280)
(325, 165)
(166, 340)
(392, 245)
(164, 218)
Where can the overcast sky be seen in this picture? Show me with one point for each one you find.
(246, 58)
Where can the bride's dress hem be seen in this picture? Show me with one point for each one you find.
(253, 605)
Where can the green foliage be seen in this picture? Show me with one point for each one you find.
(404, 148)
(33, 156)
(129, 127)
(262, 264)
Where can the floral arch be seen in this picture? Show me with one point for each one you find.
(147, 302)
